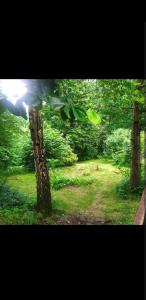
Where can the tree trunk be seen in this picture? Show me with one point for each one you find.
(145, 156)
(42, 175)
(136, 154)
(145, 131)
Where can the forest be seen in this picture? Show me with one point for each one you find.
(72, 151)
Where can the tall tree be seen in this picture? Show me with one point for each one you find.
(135, 141)
(145, 131)
(42, 172)
(36, 90)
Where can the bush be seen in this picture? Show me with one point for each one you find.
(13, 170)
(58, 150)
(58, 181)
(54, 163)
(124, 190)
(20, 216)
(85, 141)
(5, 157)
(11, 198)
(118, 146)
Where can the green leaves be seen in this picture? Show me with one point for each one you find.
(78, 114)
(70, 111)
(141, 99)
(93, 117)
(67, 108)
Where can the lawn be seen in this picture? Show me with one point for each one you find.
(91, 198)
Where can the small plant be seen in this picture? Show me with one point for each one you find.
(15, 170)
(21, 216)
(124, 190)
(58, 181)
(11, 198)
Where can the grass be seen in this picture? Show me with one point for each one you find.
(90, 191)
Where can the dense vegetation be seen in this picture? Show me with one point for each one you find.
(83, 120)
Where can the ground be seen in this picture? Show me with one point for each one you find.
(95, 203)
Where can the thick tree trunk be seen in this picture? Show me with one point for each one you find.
(136, 154)
(145, 156)
(145, 131)
(42, 175)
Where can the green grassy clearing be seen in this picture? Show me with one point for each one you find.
(97, 199)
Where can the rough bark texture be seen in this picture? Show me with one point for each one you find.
(145, 132)
(145, 157)
(135, 141)
(42, 175)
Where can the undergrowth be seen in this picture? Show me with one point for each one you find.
(58, 181)
(124, 189)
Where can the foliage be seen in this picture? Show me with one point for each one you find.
(20, 216)
(5, 157)
(11, 138)
(68, 108)
(79, 199)
(58, 150)
(118, 146)
(14, 170)
(93, 117)
(59, 181)
(124, 190)
(85, 140)
(11, 198)
(27, 155)
(57, 147)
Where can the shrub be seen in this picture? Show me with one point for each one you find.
(21, 216)
(58, 150)
(11, 198)
(5, 157)
(13, 170)
(123, 188)
(118, 146)
(58, 181)
(27, 155)
(85, 141)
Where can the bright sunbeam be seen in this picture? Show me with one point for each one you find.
(14, 89)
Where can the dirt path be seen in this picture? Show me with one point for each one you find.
(90, 216)
(81, 204)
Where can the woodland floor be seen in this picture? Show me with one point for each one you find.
(96, 203)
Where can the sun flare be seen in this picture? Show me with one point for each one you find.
(14, 89)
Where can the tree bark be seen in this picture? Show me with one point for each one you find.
(42, 175)
(136, 153)
(145, 156)
(145, 132)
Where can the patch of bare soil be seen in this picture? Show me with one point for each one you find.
(90, 216)
(82, 220)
